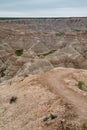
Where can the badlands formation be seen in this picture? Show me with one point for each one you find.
(43, 74)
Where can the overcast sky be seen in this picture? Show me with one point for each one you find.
(43, 8)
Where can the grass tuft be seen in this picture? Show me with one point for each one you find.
(19, 52)
(2, 72)
(77, 30)
(13, 99)
(80, 84)
(47, 53)
(59, 34)
(46, 118)
(51, 116)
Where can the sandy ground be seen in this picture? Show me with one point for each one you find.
(54, 92)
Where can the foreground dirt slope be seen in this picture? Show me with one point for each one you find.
(54, 92)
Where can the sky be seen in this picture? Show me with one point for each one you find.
(43, 8)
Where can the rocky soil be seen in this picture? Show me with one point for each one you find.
(48, 101)
(43, 70)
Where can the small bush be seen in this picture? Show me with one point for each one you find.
(51, 116)
(19, 52)
(77, 30)
(59, 34)
(2, 72)
(47, 53)
(46, 118)
(85, 57)
(80, 84)
(13, 99)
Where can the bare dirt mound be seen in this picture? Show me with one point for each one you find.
(49, 101)
(68, 84)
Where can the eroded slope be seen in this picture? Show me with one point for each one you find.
(55, 92)
(46, 44)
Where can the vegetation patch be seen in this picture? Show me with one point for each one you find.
(13, 99)
(2, 72)
(51, 116)
(10, 18)
(59, 34)
(19, 52)
(77, 30)
(85, 57)
(46, 118)
(47, 53)
(81, 85)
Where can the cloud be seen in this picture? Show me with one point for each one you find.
(43, 8)
(11, 14)
(56, 12)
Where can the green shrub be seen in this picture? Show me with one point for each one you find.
(2, 72)
(80, 84)
(47, 53)
(46, 118)
(59, 34)
(19, 52)
(51, 116)
(85, 57)
(77, 30)
(13, 99)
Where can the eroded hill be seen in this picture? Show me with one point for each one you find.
(45, 44)
(43, 70)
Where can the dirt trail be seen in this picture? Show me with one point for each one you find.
(40, 95)
(55, 80)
